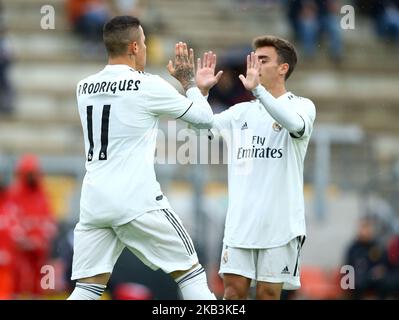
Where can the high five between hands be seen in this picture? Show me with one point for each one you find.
(183, 70)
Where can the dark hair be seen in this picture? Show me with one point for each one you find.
(117, 34)
(285, 50)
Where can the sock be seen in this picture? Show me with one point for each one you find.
(193, 285)
(87, 291)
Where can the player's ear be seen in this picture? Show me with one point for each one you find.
(284, 67)
(132, 47)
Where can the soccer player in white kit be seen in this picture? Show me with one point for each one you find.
(267, 139)
(122, 204)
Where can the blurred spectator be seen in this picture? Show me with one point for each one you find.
(63, 254)
(153, 24)
(38, 225)
(228, 92)
(6, 89)
(9, 232)
(366, 256)
(256, 4)
(385, 15)
(87, 18)
(133, 8)
(389, 285)
(312, 19)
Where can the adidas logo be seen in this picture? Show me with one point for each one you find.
(285, 270)
(244, 126)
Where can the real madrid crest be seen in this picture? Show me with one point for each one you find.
(277, 127)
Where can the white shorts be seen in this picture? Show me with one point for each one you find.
(274, 265)
(157, 238)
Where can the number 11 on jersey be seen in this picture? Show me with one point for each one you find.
(104, 132)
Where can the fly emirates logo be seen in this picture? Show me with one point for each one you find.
(259, 150)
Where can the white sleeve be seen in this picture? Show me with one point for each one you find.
(307, 110)
(164, 99)
(284, 115)
(200, 112)
(221, 125)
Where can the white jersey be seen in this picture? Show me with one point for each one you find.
(265, 174)
(119, 109)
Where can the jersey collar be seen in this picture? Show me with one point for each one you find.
(285, 95)
(118, 67)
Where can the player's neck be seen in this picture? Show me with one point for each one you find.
(277, 90)
(122, 60)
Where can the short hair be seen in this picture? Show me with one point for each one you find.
(285, 50)
(117, 34)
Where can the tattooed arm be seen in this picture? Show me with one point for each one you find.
(183, 67)
(199, 112)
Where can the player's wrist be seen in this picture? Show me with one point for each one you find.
(258, 90)
(188, 84)
(204, 91)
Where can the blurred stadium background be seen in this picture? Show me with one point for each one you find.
(351, 169)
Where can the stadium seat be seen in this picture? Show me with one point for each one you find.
(319, 284)
(132, 291)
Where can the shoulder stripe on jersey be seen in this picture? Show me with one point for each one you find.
(185, 111)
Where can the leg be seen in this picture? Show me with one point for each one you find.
(161, 241)
(96, 251)
(90, 288)
(177, 274)
(238, 269)
(236, 287)
(268, 291)
(102, 278)
(278, 267)
(193, 283)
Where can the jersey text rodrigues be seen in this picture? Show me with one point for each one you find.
(108, 87)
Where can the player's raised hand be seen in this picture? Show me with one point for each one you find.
(183, 66)
(251, 81)
(205, 76)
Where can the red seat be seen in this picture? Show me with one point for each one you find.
(132, 291)
(319, 284)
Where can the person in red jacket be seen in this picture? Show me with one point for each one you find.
(9, 233)
(37, 224)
